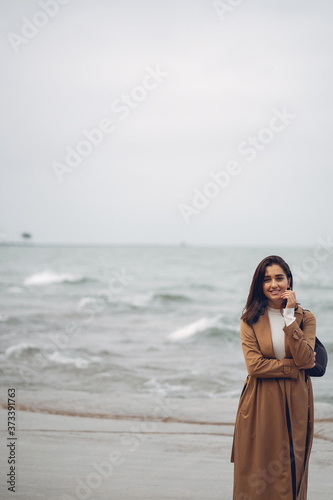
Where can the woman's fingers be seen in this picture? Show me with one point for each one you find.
(291, 298)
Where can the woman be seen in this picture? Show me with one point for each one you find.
(274, 423)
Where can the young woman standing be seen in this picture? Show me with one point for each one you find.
(274, 423)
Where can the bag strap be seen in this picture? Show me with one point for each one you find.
(301, 323)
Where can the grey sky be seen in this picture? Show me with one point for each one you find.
(226, 80)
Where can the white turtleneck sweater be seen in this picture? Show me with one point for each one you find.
(277, 322)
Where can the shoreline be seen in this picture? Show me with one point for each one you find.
(140, 457)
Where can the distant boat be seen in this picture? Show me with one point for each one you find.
(26, 236)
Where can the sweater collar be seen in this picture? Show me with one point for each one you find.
(262, 329)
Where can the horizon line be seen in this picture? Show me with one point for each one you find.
(182, 244)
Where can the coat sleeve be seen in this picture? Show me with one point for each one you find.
(302, 342)
(259, 366)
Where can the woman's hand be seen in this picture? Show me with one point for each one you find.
(309, 365)
(291, 298)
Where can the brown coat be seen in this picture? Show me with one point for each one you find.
(274, 423)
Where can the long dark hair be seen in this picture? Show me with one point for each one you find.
(257, 301)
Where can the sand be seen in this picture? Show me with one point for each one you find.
(67, 457)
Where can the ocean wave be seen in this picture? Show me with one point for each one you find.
(199, 326)
(171, 297)
(26, 351)
(50, 277)
(136, 301)
(164, 388)
(11, 321)
(59, 358)
(150, 298)
(106, 298)
(16, 350)
(139, 300)
(85, 301)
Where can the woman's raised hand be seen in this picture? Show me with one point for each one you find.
(291, 298)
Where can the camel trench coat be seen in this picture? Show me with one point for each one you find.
(274, 423)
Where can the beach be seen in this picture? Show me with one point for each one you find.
(61, 456)
(127, 367)
(154, 153)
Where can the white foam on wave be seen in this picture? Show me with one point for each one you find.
(49, 277)
(85, 301)
(17, 349)
(103, 299)
(153, 386)
(60, 359)
(57, 357)
(198, 326)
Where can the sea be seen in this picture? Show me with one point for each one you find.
(81, 326)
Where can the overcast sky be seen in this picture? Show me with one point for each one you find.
(215, 127)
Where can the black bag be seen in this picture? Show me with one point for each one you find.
(321, 357)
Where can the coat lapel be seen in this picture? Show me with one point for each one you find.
(262, 329)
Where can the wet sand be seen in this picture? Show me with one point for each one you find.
(67, 457)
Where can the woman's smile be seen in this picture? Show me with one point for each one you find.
(275, 283)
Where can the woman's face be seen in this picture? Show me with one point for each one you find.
(274, 284)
